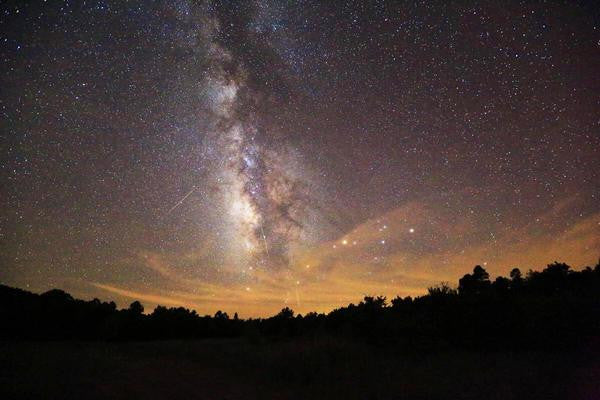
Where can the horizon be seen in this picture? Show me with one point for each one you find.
(149, 307)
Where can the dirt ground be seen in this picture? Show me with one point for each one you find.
(327, 369)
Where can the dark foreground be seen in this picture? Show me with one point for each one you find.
(292, 369)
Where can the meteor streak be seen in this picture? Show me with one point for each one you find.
(262, 231)
(181, 201)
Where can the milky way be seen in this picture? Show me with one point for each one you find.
(251, 155)
(259, 185)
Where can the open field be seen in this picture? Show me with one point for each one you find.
(300, 369)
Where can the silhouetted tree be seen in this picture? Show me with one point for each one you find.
(480, 274)
(285, 313)
(558, 301)
(136, 308)
(501, 285)
(370, 302)
(221, 315)
(400, 303)
(476, 283)
(515, 275)
(441, 290)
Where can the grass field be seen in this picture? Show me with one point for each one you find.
(301, 369)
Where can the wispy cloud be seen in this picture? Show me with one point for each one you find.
(401, 252)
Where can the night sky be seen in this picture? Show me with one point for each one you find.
(247, 156)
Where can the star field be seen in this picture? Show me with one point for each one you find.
(247, 155)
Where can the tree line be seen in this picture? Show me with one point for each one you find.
(557, 306)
